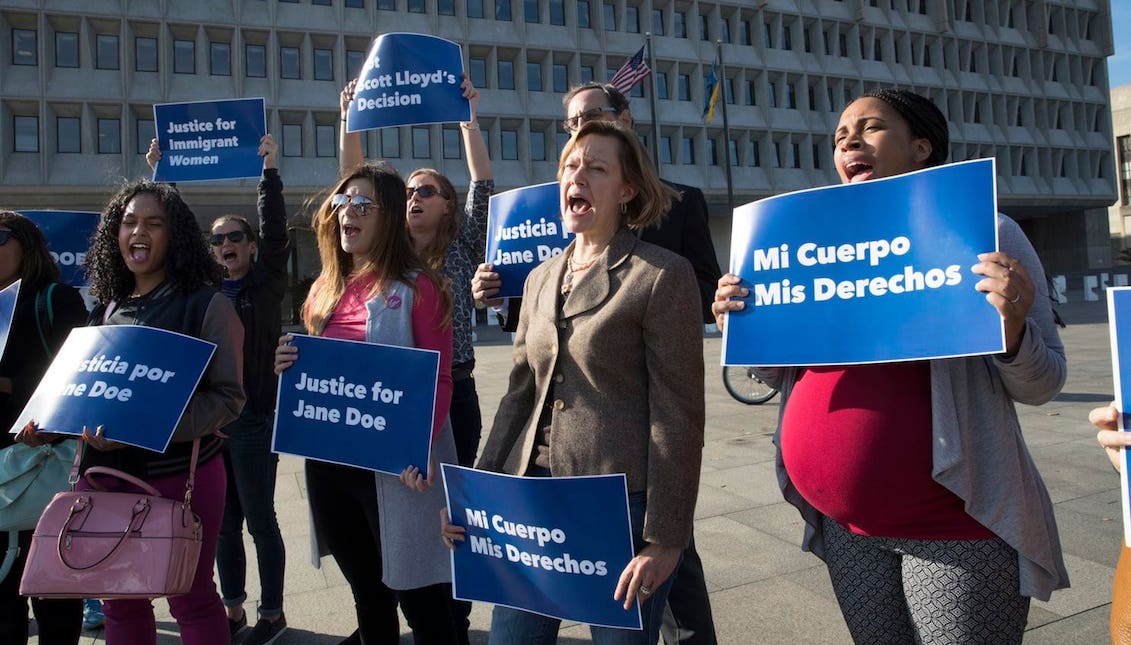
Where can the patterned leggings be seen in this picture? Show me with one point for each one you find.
(895, 591)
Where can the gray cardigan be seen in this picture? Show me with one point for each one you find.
(978, 451)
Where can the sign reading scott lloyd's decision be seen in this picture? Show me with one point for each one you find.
(870, 272)
(359, 404)
(205, 140)
(408, 79)
(524, 228)
(555, 546)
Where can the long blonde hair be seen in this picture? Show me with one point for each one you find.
(391, 258)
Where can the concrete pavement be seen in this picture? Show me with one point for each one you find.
(764, 589)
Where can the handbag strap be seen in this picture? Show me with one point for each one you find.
(100, 470)
(11, 555)
(92, 473)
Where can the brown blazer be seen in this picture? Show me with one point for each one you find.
(625, 356)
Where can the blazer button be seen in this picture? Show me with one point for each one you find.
(558, 378)
(559, 404)
(562, 324)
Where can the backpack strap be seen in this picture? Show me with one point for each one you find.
(49, 309)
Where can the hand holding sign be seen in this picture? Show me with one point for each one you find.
(1010, 290)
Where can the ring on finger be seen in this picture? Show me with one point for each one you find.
(645, 590)
(1016, 300)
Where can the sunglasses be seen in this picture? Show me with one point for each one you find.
(5, 235)
(575, 122)
(359, 202)
(424, 191)
(235, 236)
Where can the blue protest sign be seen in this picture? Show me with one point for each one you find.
(554, 546)
(1119, 326)
(408, 79)
(68, 236)
(8, 296)
(134, 381)
(359, 404)
(524, 228)
(869, 272)
(204, 140)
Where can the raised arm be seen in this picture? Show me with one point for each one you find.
(478, 162)
(349, 143)
(273, 248)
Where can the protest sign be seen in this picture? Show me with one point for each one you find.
(524, 228)
(359, 404)
(1119, 326)
(68, 236)
(8, 296)
(408, 79)
(204, 140)
(134, 381)
(554, 546)
(869, 272)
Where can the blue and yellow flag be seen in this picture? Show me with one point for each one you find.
(712, 92)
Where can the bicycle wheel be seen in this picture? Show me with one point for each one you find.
(745, 387)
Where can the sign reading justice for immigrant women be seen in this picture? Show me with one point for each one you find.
(134, 381)
(204, 140)
(359, 404)
(554, 546)
(869, 272)
(524, 228)
(408, 79)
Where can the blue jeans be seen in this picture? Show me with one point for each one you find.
(251, 470)
(516, 627)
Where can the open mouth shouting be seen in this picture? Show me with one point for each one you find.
(855, 171)
(578, 205)
(139, 252)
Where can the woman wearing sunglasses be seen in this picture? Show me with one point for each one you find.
(374, 288)
(255, 279)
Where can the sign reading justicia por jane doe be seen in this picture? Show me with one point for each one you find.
(871, 272)
(524, 228)
(202, 140)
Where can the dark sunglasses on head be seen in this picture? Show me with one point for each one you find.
(575, 122)
(5, 235)
(360, 202)
(424, 191)
(218, 238)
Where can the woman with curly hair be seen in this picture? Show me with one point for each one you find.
(374, 288)
(149, 265)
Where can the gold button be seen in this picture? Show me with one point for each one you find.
(562, 324)
(559, 404)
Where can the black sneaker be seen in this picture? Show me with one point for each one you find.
(266, 631)
(237, 626)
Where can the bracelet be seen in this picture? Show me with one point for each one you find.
(474, 125)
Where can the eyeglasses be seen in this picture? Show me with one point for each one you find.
(357, 202)
(234, 236)
(424, 192)
(575, 122)
(5, 235)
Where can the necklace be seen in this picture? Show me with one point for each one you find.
(567, 280)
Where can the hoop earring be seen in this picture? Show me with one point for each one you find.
(623, 208)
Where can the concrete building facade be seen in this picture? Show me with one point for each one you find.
(1120, 211)
(1024, 81)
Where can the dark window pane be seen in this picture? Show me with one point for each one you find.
(66, 49)
(683, 81)
(561, 78)
(184, 57)
(255, 60)
(662, 85)
(421, 143)
(67, 134)
(679, 24)
(712, 153)
(537, 145)
(509, 141)
(453, 143)
(446, 7)
(145, 54)
(753, 158)
(416, 6)
(387, 5)
(289, 63)
(688, 151)
(557, 12)
(586, 73)
(632, 19)
(506, 75)
(502, 9)
(292, 140)
(325, 141)
(657, 22)
(220, 59)
(477, 70)
(610, 16)
(323, 3)
(323, 64)
(146, 132)
(474, 8)
(355, 59)
(106, 55)
(26, 133)
(534, 77)
(25, 48)
(109, 136)
(665, 149)
(560, 139)
(391, 142)
(583, 19)
(530, 11)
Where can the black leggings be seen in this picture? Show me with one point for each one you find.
(59, 619)
(343, 501)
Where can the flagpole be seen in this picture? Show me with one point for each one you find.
(726, 124)
(652, 98)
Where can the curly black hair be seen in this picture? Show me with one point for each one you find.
(189, 264)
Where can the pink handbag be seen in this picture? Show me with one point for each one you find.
(101, 544)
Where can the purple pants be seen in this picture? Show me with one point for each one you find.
(200, 615)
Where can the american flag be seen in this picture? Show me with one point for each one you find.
(632, 72)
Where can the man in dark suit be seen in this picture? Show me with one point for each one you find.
(685, 231)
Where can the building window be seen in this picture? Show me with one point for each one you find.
(289, 65)
(583, 19)
(220, 59)
(355, 60)
(509, 141)
(109, 136)
(585, 73)
(477, 70)
(704, 28)
(320, 3)
(355, 4)
(777, 154)
(683, 87)
(453, 143)
(146, 132)
(773, 94)
(416, 6)
(751, 92)
(537, 145)
(421, 143)
(752, 156)
(534, 77)
(255, 61)
(786, 38)
(323, 64)
(795, 153)
(688, 145)
(632, 19)
(662, 85)
(712, 153)
(561, 78)
(744, 32)
(610, 15)
(474, 8)
(1123, 150)
(66, 49)
(679, 24)
(732, 152)
(387, 5)
(184, 57)
(292, 140)
(391, 143)
(145, 54)
(506, 74)
(25, 48)
(790, 96)
(68, 134)
(446, 7)
(502, 9)
(657, 22)
(816, 157)
(106, 51)
(26, 133)
(767, 35)
(530, 12)
(325, 141)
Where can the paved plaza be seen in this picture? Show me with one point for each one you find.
(764, 589)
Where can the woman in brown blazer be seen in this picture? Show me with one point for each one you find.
(608, 371)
